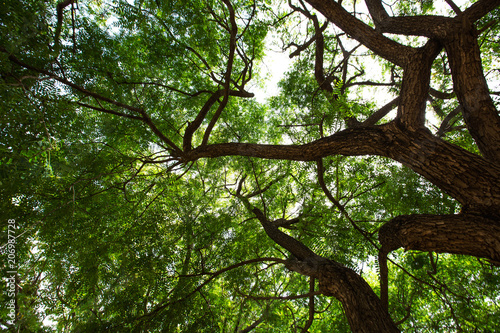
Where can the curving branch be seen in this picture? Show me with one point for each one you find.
(296, 248)
(60, 8)
(311, 306)
(428, 25)
(192, 127)
(465, 176)
(372, 39)
(213, 275)
(363, 308)
(144, 117)
(480, 9)
(300, 48)
(233, 30)
(445, 124)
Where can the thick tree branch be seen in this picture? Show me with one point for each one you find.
(471, 88)
(384, 279)
(467, 177)
(480, 9)
(377, 11)
(319, 51)
(383, 46)
(459, 38)
(439, 94)
(430, 26)
(460, 234)
(415, 86)
(363, 308)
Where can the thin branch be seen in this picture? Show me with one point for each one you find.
(445, 124)
(441, 95)
(381, 113)
(192, 127)
(164, 86)
(213, 275)
(309, 294)
(453, 6)
(110, 111)
(60, 8)
(145, 118)
(337, 204)
(256, 323)
(311, 305)
(267, 187)
(227, 77)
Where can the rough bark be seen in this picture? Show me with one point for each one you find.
(431, 26)
(362, 307)
(467, 177)
(479, 112)
(378, 43)
(460, 234)
(415, 87)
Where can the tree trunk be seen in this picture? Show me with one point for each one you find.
(362, 307)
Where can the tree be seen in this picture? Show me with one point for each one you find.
(153, 192)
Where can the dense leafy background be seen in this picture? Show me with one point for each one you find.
(113, 239)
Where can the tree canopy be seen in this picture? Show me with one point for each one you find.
(158, 185)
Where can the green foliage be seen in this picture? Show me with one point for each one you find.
(115, 236)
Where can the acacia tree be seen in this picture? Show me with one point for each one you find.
(154, 193)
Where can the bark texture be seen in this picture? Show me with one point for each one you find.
(472, 180)
(460, 234)
(362, 306)
(479, 112)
